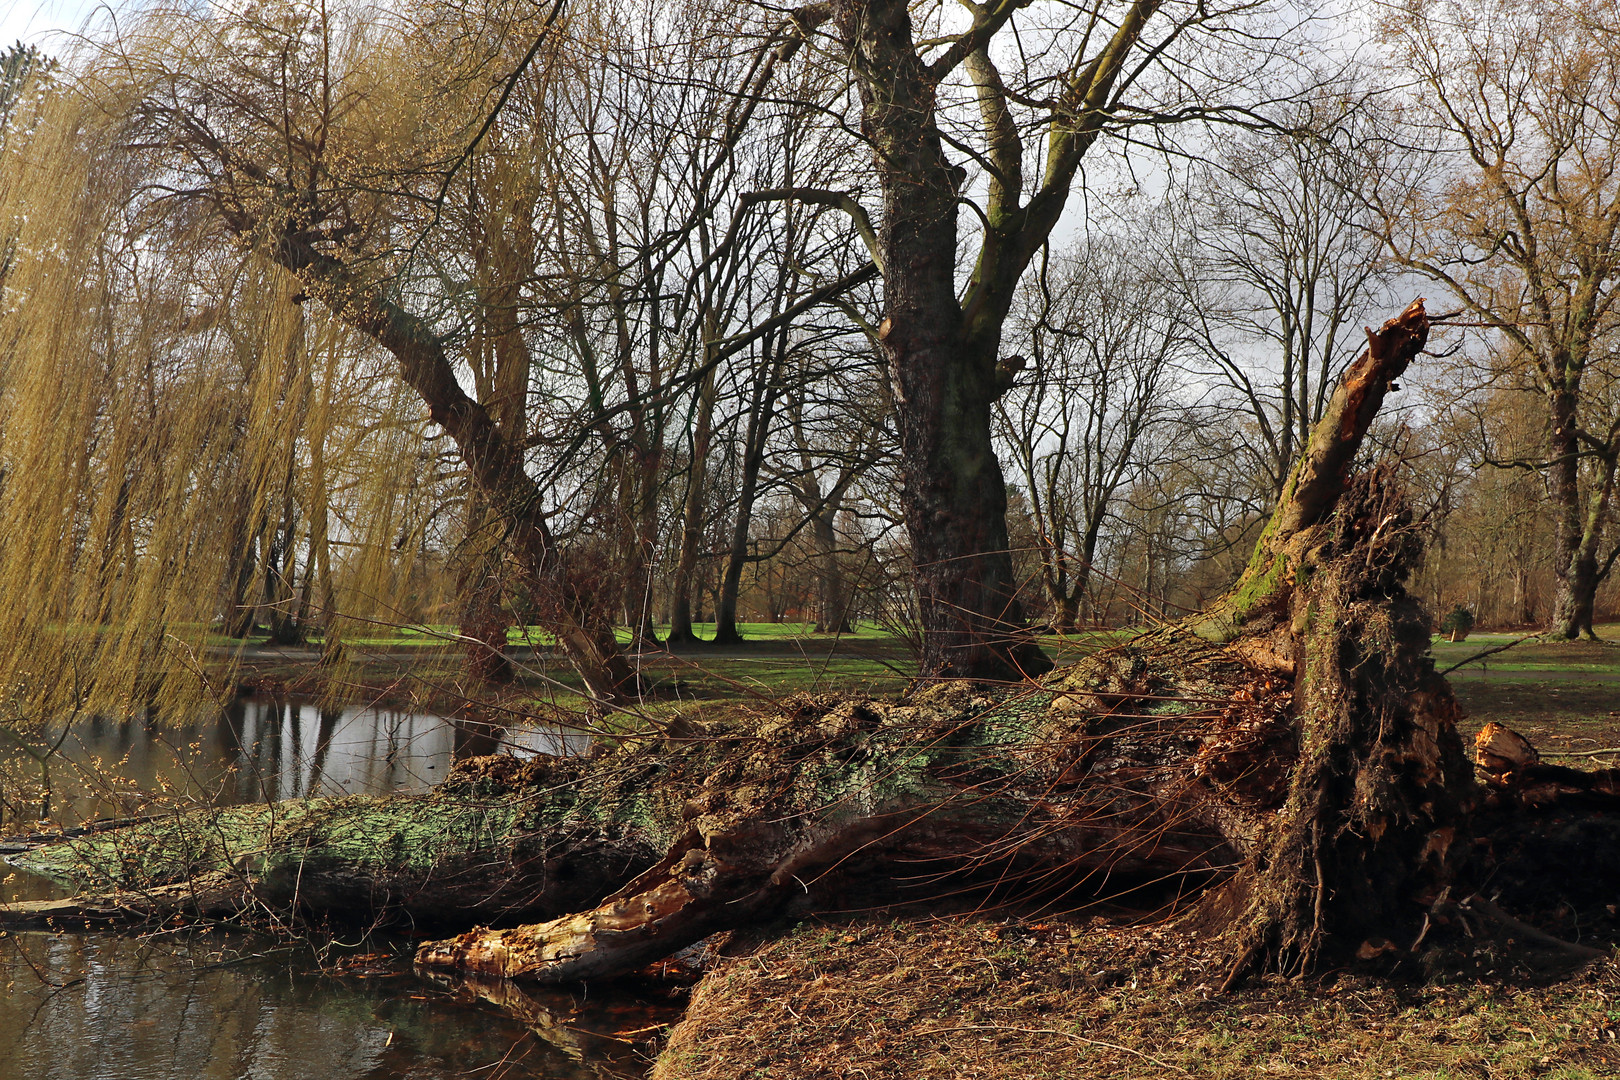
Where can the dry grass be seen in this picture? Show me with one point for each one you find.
(1021, 1000)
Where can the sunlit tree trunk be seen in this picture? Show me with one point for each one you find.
(1579, 525)
(944, 369)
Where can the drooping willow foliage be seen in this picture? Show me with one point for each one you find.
(204, 431)
(186, 447)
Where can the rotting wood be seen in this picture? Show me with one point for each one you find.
(1306, 754)
(1126, 742)
(1515, 776)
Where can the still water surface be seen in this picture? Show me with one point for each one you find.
(200, 1007)
(250, 751)
(104, 1007)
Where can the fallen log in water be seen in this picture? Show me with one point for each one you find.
(213, 894)
(440, 858)
(1294, 744)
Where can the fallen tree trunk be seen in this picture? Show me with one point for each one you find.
(1293, 743)
(1170, 755)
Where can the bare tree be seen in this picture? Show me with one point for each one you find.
(1280, 262)
(1104, 336)
(932, 105)
(1520, 220)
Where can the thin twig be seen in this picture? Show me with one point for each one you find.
(1488, 652)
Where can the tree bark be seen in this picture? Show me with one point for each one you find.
(1579, 527)
(1295, 747)
(833, 612)
(480, 588)
(759, 422)
(680, 615)
(1066, 611)
(953, 494)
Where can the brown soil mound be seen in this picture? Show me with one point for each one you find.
(1030, 1000)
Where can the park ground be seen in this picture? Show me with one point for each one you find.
(1103, 990)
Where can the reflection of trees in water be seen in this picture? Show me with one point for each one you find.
(248, 751)
(99, 1005)
(475, 738)
(323, 745)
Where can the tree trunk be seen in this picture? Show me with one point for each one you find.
(1294, 746)
(1577, 596)
(1313, 488)
(725, 607)
(643, 540)
(1066, 593)
(953, 496)
(833, 613)
(1066, 611)
(568, 594)
(680, 612)
(761, 412)
(484, 625)
(243, 604)
(1580, 527)
(1575, 558)
(281, 575)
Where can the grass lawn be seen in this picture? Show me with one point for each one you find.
(774, 660)
(1563, 696)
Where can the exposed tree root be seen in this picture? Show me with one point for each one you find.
(1490, 910)
(1295, 744)
(1158, 765)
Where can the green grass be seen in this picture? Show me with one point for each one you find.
(1562, 695)
(1601, 657)
(434, 635)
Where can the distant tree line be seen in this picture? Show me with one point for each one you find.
(970, 320)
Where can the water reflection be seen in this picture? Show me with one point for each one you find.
(87, 1007)
(171, 1008)
(251, 751)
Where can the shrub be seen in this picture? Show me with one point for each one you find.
(1457, 624)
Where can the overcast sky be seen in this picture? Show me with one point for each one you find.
(34, 20)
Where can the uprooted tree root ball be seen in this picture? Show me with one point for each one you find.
(1290, 755)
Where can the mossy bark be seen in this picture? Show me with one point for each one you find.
(1296, 743)
(1318, 478)
(1376, 815)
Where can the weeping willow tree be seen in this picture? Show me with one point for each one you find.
(186, 446)
(1294, 747)
(312, 142)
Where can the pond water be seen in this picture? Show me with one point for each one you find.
(188, 1007)
(105, 1007)
(250, 751)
